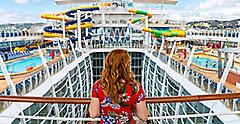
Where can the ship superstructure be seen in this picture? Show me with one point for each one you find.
(164, 60)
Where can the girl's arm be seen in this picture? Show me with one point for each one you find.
(94, 108)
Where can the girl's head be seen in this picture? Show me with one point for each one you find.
(116, 74)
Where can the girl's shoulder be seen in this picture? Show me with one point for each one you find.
(98, 90)
(96, 84)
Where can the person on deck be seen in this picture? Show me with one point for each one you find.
(52, 54)
(117, 96)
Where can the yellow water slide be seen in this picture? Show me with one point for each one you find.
(155, 33)
(73, 25)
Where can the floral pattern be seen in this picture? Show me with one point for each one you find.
(108, 102)
(139, 98)
(112, 113)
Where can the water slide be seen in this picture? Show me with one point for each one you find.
(70, 23)
(50, 32)
(155, 33)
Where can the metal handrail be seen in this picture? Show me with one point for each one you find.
(172, 99)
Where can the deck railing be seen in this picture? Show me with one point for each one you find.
(198, 79)
(152, 100)
(28, 84)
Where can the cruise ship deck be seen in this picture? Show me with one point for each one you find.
(189, 76)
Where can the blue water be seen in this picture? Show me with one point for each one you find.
(208, 63)
(205, 62)
(22, 65)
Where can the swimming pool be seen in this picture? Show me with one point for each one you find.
(205, 62)
(208, 63)
(22, 65)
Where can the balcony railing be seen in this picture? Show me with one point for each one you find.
(152, 100)
(198, 79)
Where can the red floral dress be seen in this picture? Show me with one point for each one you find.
(112, 113)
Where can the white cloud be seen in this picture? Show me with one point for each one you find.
(188, 7)
(1, 10)
(209, 10)
(15, 17)
(210, 4)
(219, 9)
(21, 1)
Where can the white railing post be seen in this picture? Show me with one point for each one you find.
(87, 76)
(196, 79)
(221, 83)
(154, 83)
(79, 29)
(143, 72)
(36, 81)
(235, 107)
(69, 77)
(153, 46)
(73, 50)
(130, 37)
(10, 85)
(171, 54)
(44, 62)
(161, 48)
(189, 62)
(31, 83)
(208, 86)
(90, 64)
(225, 73)
(8, 78)
(165, 77)
(79, 76)
(103, 25)
(148, 68)
(63, 26)
(185, 75)
(146, 33)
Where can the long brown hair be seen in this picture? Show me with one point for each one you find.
(117, 68)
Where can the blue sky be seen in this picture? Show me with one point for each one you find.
(18, 11)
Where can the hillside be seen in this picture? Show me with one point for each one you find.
(215, 24)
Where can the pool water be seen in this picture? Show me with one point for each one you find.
(22, 65)
(205, 62)
(208, 63)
